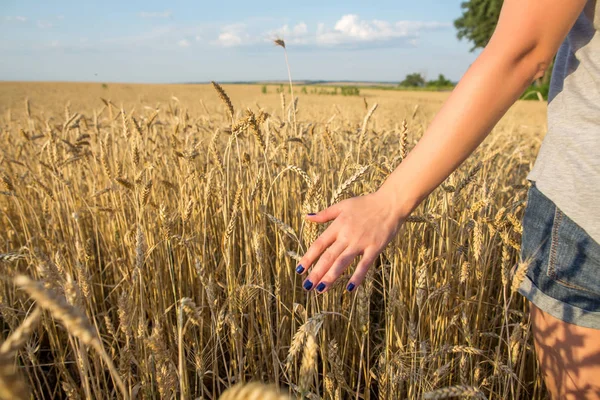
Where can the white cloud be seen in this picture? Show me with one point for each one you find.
(232, 36)
(297, 34)
(229, 39)
(348, 31)
(155, 14)
(16, 18)
(45, 25)
(351, 29)
(300, 29)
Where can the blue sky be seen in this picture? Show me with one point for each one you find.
(226, 40)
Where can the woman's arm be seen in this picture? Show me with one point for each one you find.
(525, 41)
(528, 35)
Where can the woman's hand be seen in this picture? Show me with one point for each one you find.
(361, 226)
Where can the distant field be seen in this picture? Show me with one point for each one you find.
(161, 232)
(393, 106)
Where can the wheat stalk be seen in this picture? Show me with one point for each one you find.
(363, 129)
(281, 43)
(12, 385)
(75, 321)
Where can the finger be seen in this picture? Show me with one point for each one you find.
(316, 249)
(362, 268)
(326, 215)
(325, 262)
(337, 269)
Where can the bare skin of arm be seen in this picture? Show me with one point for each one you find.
(528, 35)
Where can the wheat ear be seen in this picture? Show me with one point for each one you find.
(346, 185)
(18, 338)
(12, 386)
(224, 97)
(455, 391)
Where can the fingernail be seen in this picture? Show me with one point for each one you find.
(321, 287)
(350, 287)
(299, 269)
(307, 285)
(311, 214)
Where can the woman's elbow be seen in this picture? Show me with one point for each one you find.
(539, 66)
(532, 64)
(530, 58)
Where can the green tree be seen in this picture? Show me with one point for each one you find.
(477, 25)
(413, 80)
(350, 91)
(478, 21)
(441, 81)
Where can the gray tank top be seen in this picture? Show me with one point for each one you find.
(567, 169)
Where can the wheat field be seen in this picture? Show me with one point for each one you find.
(149, 236)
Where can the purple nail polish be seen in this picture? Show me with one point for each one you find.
(307, 285)
(350, 287)
(320, 287)
(311, 214)
(299, 269)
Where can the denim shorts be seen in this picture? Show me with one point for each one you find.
(563, 275)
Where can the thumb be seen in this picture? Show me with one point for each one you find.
(326, 215)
